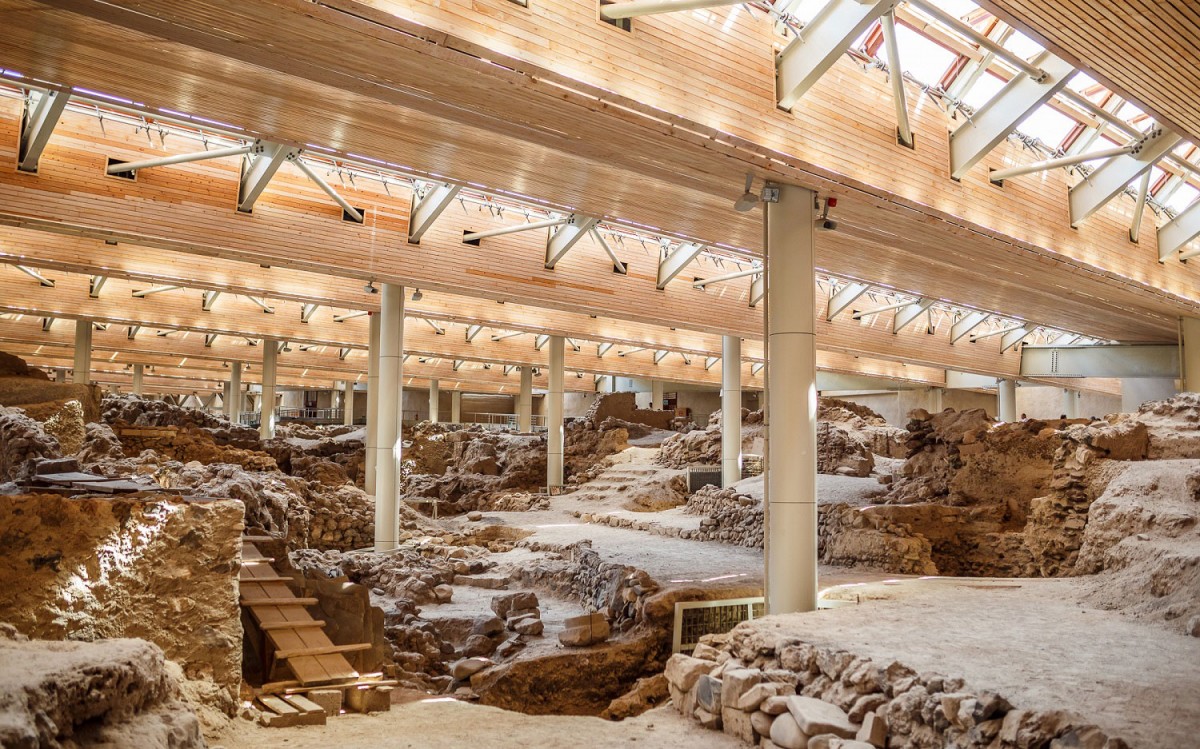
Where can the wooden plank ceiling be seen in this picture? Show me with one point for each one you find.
(1148, 50)
(572, 118)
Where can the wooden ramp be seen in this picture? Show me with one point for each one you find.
(290, 633)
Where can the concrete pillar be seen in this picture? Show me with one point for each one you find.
(138, 372)
(1189, 337)
(388, 410)
(731, 410)
(656, 395)
(554, 415)
(348, 402)
(372, 402)
(233, 406)
(433, 400)
(83, 352)
(1006, 394)
(270, 360)
(935, 400)
(525, 401)
(1070, 406)
(456, 407)
(791, 387)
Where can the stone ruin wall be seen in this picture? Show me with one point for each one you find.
(772, 690)
(160, 568)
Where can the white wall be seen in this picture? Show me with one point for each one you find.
(1044, 402)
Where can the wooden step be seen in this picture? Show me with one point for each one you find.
(269, 626)
(258, 539)
(279, 602)
(323, 650)
(267, 579)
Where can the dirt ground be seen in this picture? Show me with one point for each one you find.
(449, 724)
(1032, 642)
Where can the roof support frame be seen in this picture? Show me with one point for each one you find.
(562, 240)
(259, 170)
(1110, 178)
(887, 24)
(673, 263)
(823, 41)
(327, 188)
(425, 210)
(40, 118)
(907, 315)
(965, 324)
(183, 158)
(1173, 235)
(993, 122)
(845, 296)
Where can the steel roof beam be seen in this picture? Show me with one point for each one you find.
(637, 8)
(561, 242)
(672, 264)
(426, 210)
(965, 324)
(908, 314)
(823, 41)
(37, 124)
(993, 122)
(1180, 230)
(1110, 178)
(259, 171)
(843, 298)
(182, 158)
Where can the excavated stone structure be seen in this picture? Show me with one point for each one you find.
(163, 569)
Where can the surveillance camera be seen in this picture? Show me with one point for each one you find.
(370, 288)
(828, 224)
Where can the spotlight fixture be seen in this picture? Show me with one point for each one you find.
(748, 199)
(417, 295)
(370, 288)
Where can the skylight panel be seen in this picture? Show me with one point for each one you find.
(923, 58)
(1048, 125)
(984, 89)
(1183, 197)
(957, 8)
(1022, 46)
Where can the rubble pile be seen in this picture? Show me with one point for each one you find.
(131, 410)
(23, 443)
(67, 427)
(469, 468)
(107, 693)
(30, 389)
(848, 438)
(326, 454)
(779, 691)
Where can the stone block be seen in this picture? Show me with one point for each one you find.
(816, 717)
(506, 604)
(785, 732)
(737, 681)
(369, 699)
(709, 720)
(756, 695)
(873, 731)
(761, 722)
(468, 667)
(774, 705)
(329, 699)
(683, 670)
(737, 723)
(526, 625)
(708, 693)
(584, 630)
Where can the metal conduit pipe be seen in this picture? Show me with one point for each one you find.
(476, 236)
(650, 7)
(1040, 166)
(183, 158)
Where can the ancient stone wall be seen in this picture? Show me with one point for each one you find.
(761, 687)
(623, 407)
(23, 443)
(161, 569)
(110, 693)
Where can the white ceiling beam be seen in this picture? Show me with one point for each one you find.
(637, 8)
(1110, 178)
(965, 324)
(993, 122)
(132, 331)
(710, 362)
(476, 236)
(886, 308)
(350, 315)
(1013, 337)
(210, 339)
(37, 123)
(561, 242)
(47, 282)
(998, 176)
(673, 264)
(618, 266)
(540, 340)
(262, 304)
(208, 299)
(887, 23)
(438, 329)
(846, 295)
(660, 355)
(472, 331)
(756, 367)
(822, 42)
(758, 287)
(602, 349)
(1177, 232)
(907, 315)
(307, 310)
(47, 324)
(703, 282)
(143, 293)
(327, 188)
(259, 171)
(95, 285)
(182, 158)
(425, 211)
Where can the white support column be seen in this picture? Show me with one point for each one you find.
(348, 403)
(270, 360)
(433, 400)
(139, 371)
(83, 352)
(791, 389)
(525, 401)
(1070, 407)
(372, 403)
(731, 410)
(456, 407)
(388, 410)
(60, 374)
(656, 395)
(1006, 396)
(233, 406)
(554, 415)
(1189, 337)
(935, 400)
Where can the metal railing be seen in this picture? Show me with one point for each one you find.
(503, 421)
